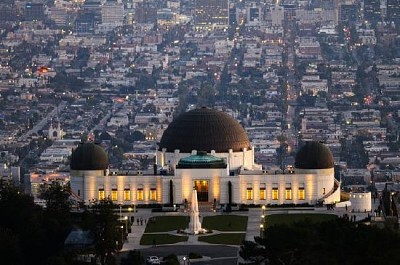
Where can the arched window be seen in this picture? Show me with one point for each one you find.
(263, 194)
(288, 191)
(275, 191)
(127, 193)
(140, 193)
(153, 193)
(102, 194)
(301, 194)
(249, 192)
(114, 193)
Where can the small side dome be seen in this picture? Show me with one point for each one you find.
(89, 156)
(314, 155)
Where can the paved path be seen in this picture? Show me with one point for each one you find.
(133, 241)
(253, 223)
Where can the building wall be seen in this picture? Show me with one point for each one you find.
(246, 189)
(316, 183)
(235, 160)
(360, 201)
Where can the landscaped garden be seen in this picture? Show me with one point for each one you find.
(225, 222)
(157, 229)
(224, 238)
(166, 223)
(288, 219)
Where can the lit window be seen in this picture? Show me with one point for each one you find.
(153, 194)
(288, 194)
(263, 194)
(140, 194)
(249, 194)
(114, 195)
(275, 195)
(102, 195)
(302, 194)
(127, 195)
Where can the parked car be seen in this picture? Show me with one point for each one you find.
(153, 260)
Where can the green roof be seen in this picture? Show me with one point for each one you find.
(201, 160)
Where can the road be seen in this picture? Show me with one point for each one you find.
(290, 84)
(219, 254)
(39, 126)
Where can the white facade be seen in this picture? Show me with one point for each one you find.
(360, 201)
(249, 187)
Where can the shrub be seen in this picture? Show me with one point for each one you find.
(194, 256)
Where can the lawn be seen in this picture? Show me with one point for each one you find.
(289, 219)
(161, 239)
(225, 238)
(225, 222)
(167, 223)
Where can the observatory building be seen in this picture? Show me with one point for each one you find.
(209, 150)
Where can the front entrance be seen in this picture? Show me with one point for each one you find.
(201, 187)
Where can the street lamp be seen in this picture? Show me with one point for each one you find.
(261, 231)
(122, 235)
(130, 209)
(184, 260)
(262, 216)
(126, 223)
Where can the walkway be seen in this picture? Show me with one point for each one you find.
(133, 241)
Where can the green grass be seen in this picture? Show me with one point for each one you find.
(225, 238)
(289, 219)
(161, 239)
(225, 222)
(167, 223)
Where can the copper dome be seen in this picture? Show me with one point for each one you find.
(314, 155)
(204, 130)
(89, 156)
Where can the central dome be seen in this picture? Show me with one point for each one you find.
(204, 130)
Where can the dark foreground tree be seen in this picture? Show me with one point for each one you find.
(333, 242)
(28, 233)
(134, 257)
(105, 227)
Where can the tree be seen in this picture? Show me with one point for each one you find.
(23, 228)
(134, 136)
(134, 257)
(56, 196)
(104, 225)
(332, 242)
(10, 247)
(56, 215)
(206, 95)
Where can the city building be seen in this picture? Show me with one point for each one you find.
(34, 11)
(112, 14)
(393, 11)
(146, 13)
(211, 14)
(372, 10)
(209, 150)
(348, 13)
